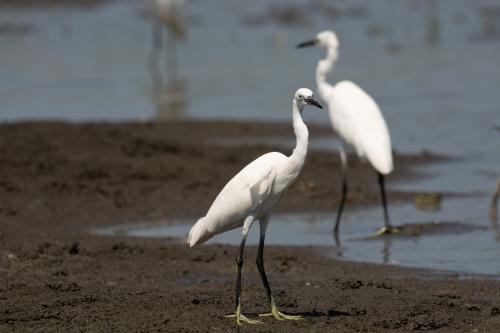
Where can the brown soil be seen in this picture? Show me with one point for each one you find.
(59, 180)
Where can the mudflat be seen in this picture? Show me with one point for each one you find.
(58, 181)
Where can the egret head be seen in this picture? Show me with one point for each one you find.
(325, 39)
(304, 97)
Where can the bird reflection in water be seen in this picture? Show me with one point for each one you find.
(169, 99)
(338, 249)
(386, 250)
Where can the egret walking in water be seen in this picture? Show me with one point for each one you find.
(358, 121)
(251, 195)
(166, 14)
(169, 94)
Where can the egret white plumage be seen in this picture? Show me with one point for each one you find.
(251, 195)
(357, 119)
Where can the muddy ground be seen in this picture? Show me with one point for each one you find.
(58, 181)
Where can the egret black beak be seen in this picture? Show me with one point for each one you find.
(308, 43)
(311, 101)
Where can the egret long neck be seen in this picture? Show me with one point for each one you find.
(302, 135)
(324, 67)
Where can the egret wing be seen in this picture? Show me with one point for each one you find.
(368, 131)
(242, 195)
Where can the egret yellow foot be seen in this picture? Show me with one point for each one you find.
(279, 315)
(387, 231)
(240, 318)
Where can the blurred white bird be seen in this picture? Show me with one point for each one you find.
(166, 14)
(358, 121)
(251, 195)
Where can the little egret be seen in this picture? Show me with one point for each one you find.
(358, 121)
(166, 14)
(251, 195)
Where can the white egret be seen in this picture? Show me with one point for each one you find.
(251, 195)
(357, 119)
(166, 14)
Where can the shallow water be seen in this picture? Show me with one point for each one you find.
(433, 66)
(453, 241)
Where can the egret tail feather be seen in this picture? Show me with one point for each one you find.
(197, 234)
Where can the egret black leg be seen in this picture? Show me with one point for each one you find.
(239, 264)
(384, 200)
(341, 206)
(387, 228)
(260, 265)
(343, 162)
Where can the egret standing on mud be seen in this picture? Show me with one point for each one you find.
(358, 121)
(251, 195)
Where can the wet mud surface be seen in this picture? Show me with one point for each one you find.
(58, 180)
